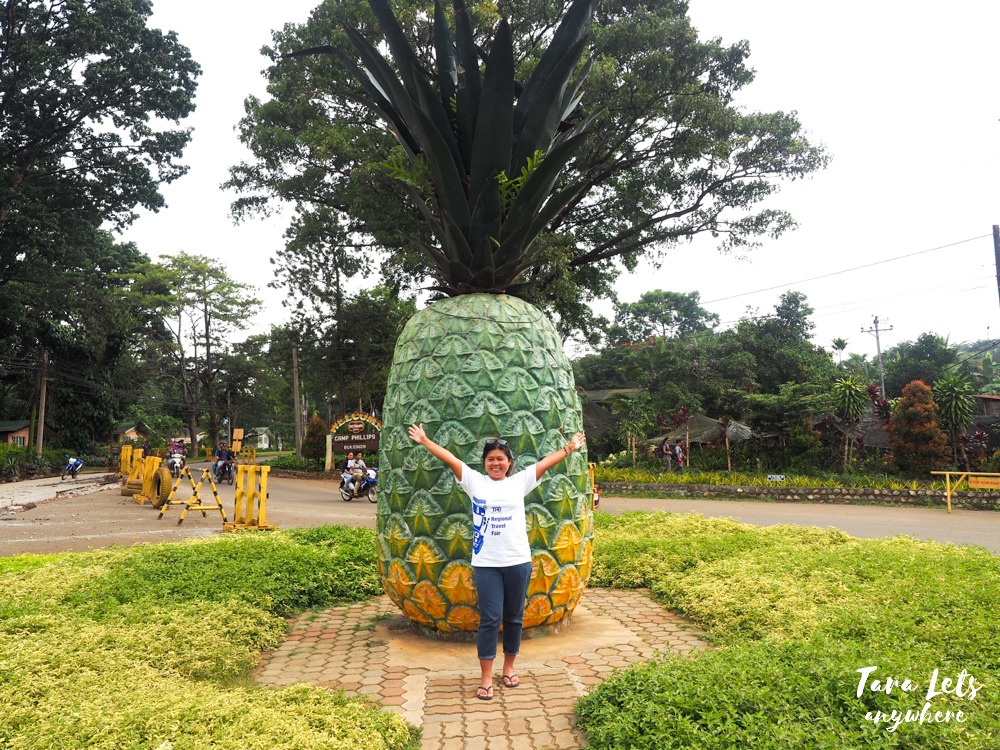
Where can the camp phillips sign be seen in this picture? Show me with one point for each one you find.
(355, 432)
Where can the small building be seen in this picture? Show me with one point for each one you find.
(134, 431)
(989, 405)
(16, 432)
(262, 437)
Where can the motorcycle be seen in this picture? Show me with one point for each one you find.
(176, 463)
(365, 485)
(73, 466)
(227, 472)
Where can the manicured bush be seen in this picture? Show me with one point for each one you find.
(289, 462)
(796, 613)
(152, 646)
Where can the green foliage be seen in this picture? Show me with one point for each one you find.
(289, 462)
(656, 170)
(660, 314)
(200, 306)
(90, 101)
(120, 648)
(99, 92)
(953, 394)
(616, 469)
(314, 443)
(797, 612)
(918, 443)
(926, 359)
(850, 399)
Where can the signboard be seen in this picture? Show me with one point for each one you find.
(776, 477)
(984, 483)
(355, 432)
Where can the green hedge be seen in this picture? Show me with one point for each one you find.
(796, 613)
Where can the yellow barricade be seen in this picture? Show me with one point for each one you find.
(149, 466)
(249, 456)
(195, 501)
(136, 467)
(977, 480)
(125, 460)
(251, 496)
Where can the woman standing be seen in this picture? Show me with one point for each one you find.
(501, 554)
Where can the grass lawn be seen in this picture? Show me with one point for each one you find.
(136, 647)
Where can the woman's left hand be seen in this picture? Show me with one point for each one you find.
(576, 442)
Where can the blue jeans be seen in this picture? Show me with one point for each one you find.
(501, 593)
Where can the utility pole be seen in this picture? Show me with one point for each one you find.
(878, 348)
(996, 253)
(40, 437)
(295, 395)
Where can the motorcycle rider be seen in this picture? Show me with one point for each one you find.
(222, 455)
(346, 469)
(353, 467)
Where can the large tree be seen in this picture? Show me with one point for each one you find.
(668, 155)
(200, 307)
(661, 314)
(90, 97)
(88, 94)
(926, 359)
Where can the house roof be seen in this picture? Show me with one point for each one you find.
(600, 396)
(13, 425)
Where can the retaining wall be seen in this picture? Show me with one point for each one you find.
(965, 499)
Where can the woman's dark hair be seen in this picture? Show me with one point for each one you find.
(499, 444)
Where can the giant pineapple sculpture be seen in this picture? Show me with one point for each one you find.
(484, 158)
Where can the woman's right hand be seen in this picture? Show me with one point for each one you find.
(417, 434)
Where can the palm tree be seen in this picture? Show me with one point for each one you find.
(482, 156)
(956, 407)
(850, 399)
(839, 345)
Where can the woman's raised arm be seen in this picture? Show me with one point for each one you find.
(575, 443)
(417, 435)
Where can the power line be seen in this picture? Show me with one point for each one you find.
(846, 270)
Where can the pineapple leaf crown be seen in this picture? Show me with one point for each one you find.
(492, 149)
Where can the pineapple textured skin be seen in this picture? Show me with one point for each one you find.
(470, 368)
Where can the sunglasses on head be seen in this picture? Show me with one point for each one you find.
(495, 442)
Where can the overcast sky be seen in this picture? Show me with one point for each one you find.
(898, 226)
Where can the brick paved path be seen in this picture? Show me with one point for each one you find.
(368, 649)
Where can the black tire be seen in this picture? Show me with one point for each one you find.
(64, 475)
(373, 494)
(162, 485)
(230, 476)
(346, 494)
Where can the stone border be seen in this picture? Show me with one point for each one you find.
(964, 499)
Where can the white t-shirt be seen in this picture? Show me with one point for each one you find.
(499, 533)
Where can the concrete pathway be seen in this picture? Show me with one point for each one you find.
(368, 649)
(29, 492)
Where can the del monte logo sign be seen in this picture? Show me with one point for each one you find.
(356, 432)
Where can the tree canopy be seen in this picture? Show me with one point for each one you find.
(87, 95)
(669, 155)
(90, 100)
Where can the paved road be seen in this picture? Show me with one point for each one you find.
(977, 527)
(104, 518)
